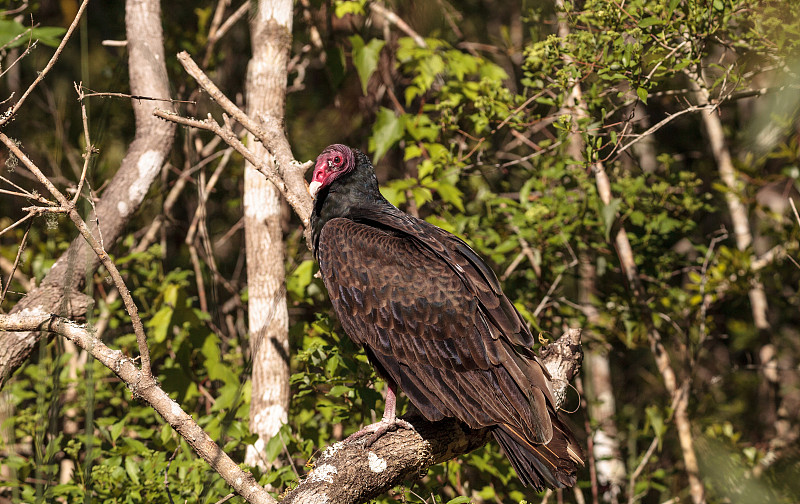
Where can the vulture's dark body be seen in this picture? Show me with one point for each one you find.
(433, 320)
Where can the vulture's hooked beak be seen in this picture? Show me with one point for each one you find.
(313, 188)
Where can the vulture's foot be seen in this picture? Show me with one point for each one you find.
(378, 429)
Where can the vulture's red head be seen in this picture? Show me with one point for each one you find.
(334, 161)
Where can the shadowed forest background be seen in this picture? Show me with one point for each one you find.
(547, 134)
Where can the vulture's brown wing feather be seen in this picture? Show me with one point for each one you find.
(434, 321)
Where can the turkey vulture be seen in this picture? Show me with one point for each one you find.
(433, 320)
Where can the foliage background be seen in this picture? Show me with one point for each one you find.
(476, 133)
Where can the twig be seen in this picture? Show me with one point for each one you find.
(546, 297)
(12, 226)
(31, 45)
(83, 95)
(17, 10)
(288, 176)
(660, 124)
(23, 279)
(394, 19)
(230, 21)
(639, 468)
(166, 473)
(227, 134)
(16, 262)
(90, 149)
(9, 113)
(511, 267)
(226, 498)
(703, 281)
(25, 193)
(217, 30)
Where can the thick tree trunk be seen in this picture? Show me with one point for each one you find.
(268, 319)
(60, 289)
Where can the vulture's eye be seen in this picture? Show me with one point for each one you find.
(337, 160)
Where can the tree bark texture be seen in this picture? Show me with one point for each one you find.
(268, 318)
(59, 291)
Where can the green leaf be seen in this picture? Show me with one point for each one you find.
(460, 500)
(344, 7)
(275, 444)
(425, 169)
(642, 92)
(387, 131)
(365, 58)
(339, 390)
(132, 468)
(116, 429)
(171, 295)
(47, 35)
(421, 195)
(451, 194)
(650, 21)
(655, 419)
(160, 323)
(300, 279)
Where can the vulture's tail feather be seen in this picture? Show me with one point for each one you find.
(553, 464)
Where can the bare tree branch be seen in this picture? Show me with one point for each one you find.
(143, 386)
(130, 305)
(287, 176)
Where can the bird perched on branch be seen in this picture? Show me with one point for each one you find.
(434, 321)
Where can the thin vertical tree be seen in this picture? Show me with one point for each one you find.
(268, 320)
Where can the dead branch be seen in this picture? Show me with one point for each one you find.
(95, 244)
(287, 176)
(143, 386)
